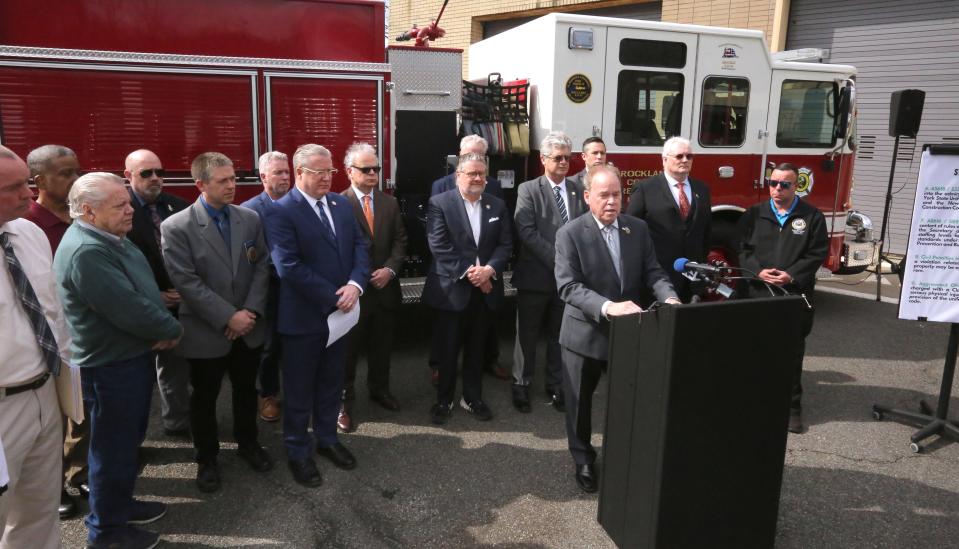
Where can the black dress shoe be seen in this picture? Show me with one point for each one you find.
(440, 413)
(84, 490)
(257, 458)
(208, 477)
(339, 455)
(556, 400)
(386, 400)
(521, 398)
(587, 478)
(305, 473)
(68, 507)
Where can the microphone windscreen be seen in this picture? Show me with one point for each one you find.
(680, 264)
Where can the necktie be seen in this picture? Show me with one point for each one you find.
(683, 202)
(223, 225)
(560, 204)
(325, 221)
(157, 220)
(613, 249)
(31, 305)
(368, 212)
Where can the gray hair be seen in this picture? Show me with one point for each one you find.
(203, 165)
(41, 158)
(471, 157)
(355, 149)
(598, 169)
(91, 189)
(555, 140)
(672, 141)
(471, 140)
(271, 156)
(306, 151)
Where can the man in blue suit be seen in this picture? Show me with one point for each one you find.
(275, 174)
(470, 239)
(322, 260)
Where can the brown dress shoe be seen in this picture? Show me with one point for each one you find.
(269, 408)
(343, 421)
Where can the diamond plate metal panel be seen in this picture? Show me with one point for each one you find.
(426, 80)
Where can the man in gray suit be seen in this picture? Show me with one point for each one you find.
(543, 205)
(603, 261)
(216, 256)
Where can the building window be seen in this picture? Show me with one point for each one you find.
(649, 107)
(723, 119)
(807, 114)
(652, 53)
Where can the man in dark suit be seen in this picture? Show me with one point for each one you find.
(151, 206)
(321, 256)
(603, 261)
(594, 152)
(216, 256)
(677, 210)
(274, 168)
(543, 205)
(470, 239)
(378, 215)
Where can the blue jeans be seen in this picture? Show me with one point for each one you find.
(117, 398)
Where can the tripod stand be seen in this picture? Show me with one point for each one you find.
(885, 220)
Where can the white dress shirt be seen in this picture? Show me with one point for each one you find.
(325, 209)
(474, 212)
(21, 360)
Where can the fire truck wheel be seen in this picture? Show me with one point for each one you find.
(724, 241)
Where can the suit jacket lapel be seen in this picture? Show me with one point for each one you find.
(628, 253)
(668, 195)
(546, 190)
(209, 232)
(358, 211)
(572, 202)
(236, 238)
(595, 240)
(459, 212)
(485, 214)
(379, 209)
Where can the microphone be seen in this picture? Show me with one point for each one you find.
(683, 264)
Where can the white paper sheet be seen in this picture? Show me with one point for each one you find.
(341, 323)
(4, 475)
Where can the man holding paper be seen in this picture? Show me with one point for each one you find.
(32, 342)
(321, 257)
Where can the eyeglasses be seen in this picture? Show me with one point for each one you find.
(474, 175)
(160, 172)
(368, 169)
(687, 156)
(325, 173)
(782, 184)
(558, 157)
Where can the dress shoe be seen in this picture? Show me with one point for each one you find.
(477, 409)
(343, 420)
(339, 455)
(440, 413)
(795, 422)
(68, 506)
(556, 400)
(386, 400)
(130, 537)
(269, 408)
(208, 477)
(145, 512)
(521, 398)
(84, 490)
(257, 457)
(305, 472)
(587, 478)
(499, 372)
(435, 377)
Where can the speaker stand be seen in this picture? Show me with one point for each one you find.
(885, 220)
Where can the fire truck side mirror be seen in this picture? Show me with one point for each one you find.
(844, 110)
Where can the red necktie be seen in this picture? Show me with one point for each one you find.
(683, 202)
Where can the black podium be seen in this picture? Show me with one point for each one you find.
(696, 424)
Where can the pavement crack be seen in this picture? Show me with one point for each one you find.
(857, 459)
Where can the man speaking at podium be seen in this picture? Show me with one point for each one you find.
(603, 261)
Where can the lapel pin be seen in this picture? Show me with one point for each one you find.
(333, 202)
(572, 193)
(487, 206)
(626, 230)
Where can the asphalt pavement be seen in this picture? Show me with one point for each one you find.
(849, 481)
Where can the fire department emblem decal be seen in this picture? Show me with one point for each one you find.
(798, 226)
(578, 88)
(805, 183)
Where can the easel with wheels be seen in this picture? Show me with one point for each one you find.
(926, 289)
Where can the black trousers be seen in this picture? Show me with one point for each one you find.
(466, 329)
(580, 377)
(206, 375)
(373, 334)
(796, 366)
(537, 311)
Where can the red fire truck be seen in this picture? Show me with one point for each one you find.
(244, 77)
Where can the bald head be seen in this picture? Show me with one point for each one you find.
(145, 172)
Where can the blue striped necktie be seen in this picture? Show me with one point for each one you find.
(31, 306)
(560, 204)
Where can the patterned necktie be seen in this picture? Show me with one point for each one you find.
(325, 221)
(683, 202)
(31, 306)
(560, 204)
(368, 212)
(613, 249)
(157, 220)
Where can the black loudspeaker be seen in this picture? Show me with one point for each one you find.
(905, 112)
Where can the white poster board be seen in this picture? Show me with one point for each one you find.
(930, 287)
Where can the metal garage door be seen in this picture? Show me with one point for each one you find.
(894, 45)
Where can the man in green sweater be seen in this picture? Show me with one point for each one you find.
(117, 321)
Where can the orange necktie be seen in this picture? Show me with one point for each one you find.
(368, 212)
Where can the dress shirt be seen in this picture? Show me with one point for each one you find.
(615, 239)
(673, 188)
(359, 196)
(52, 226)
(109, 236)
(562, 193)
(21, 360)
